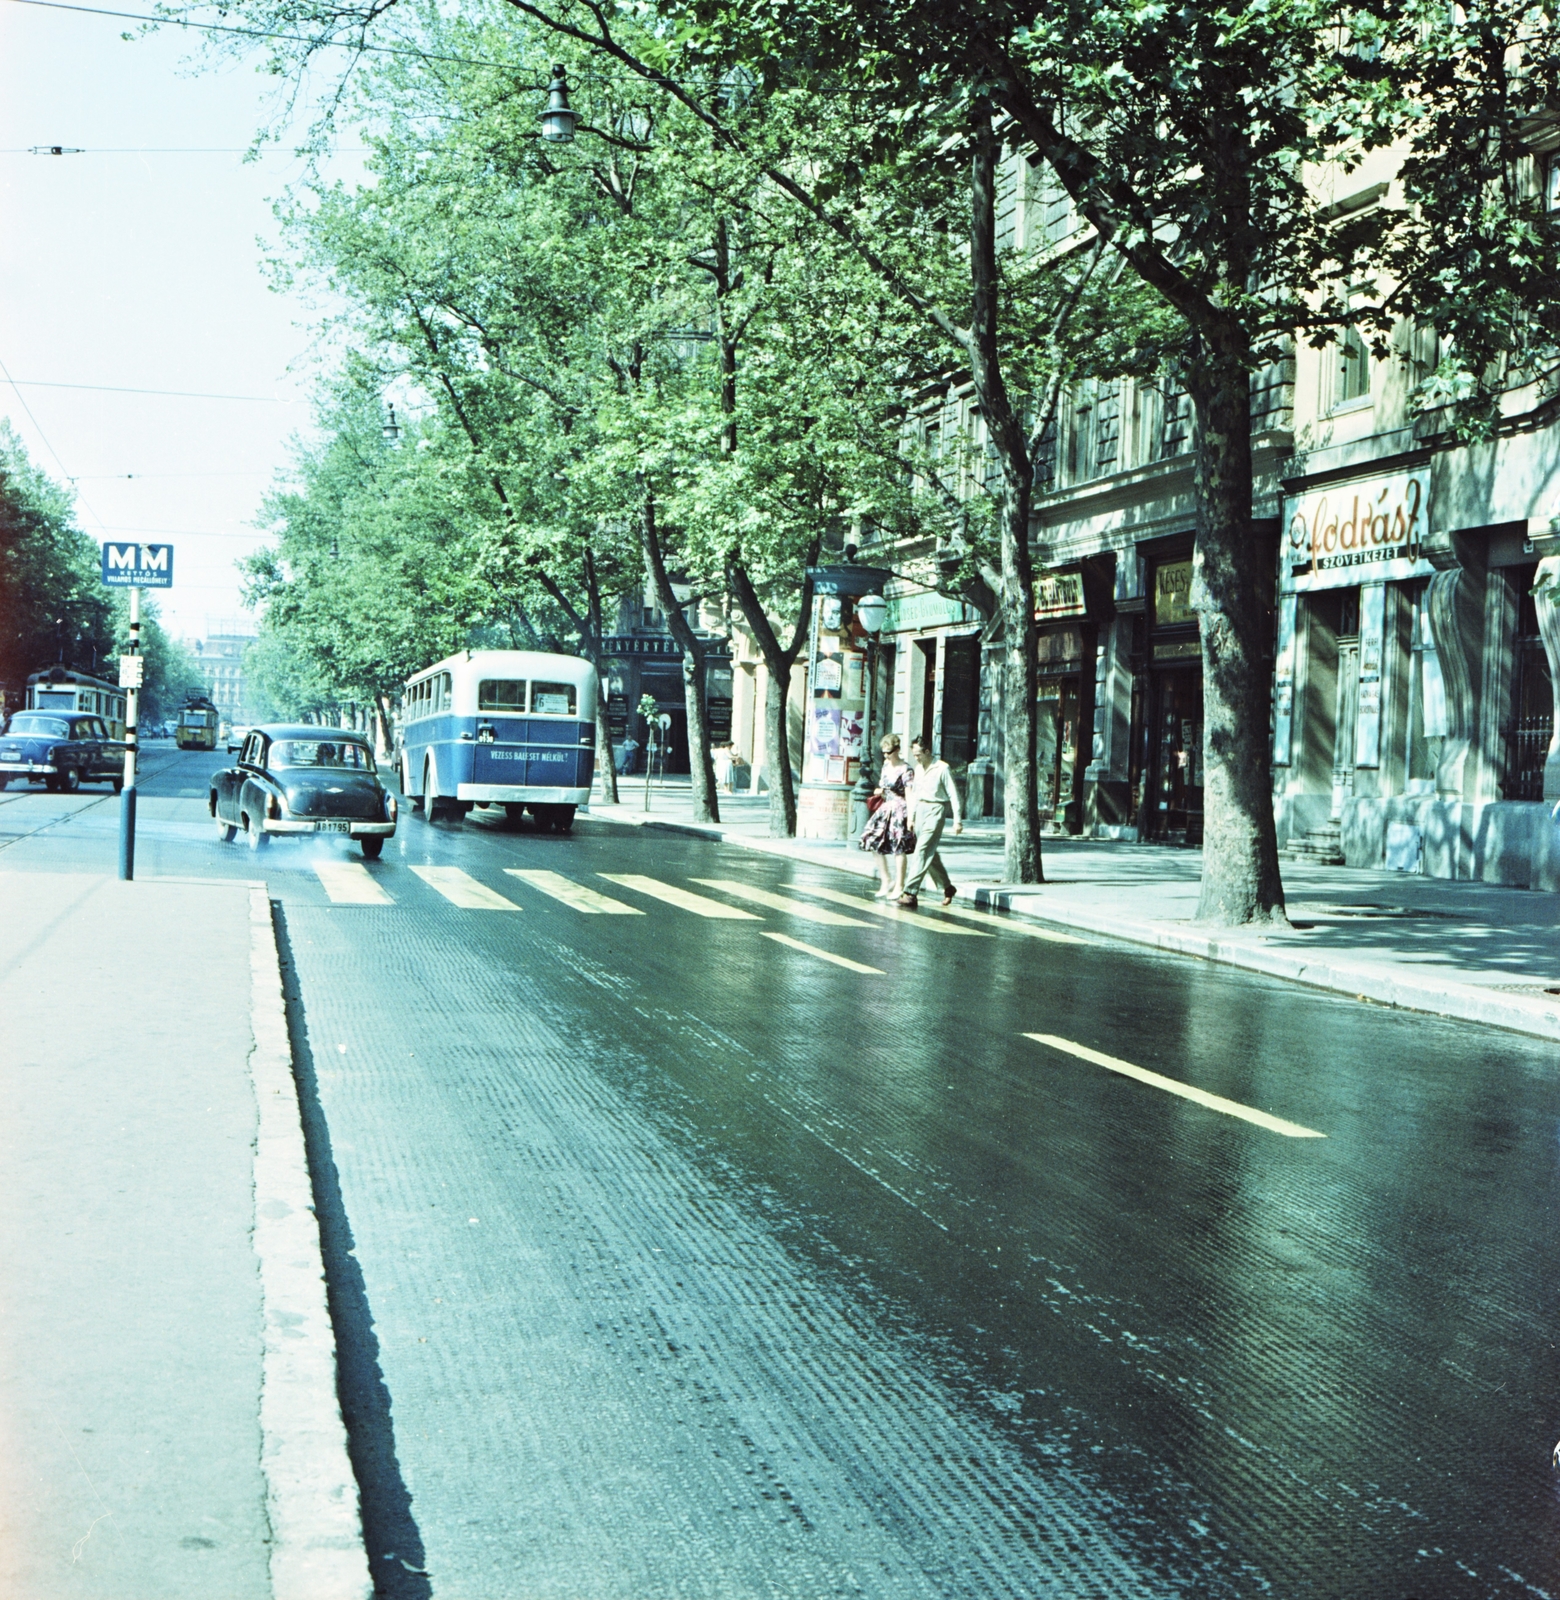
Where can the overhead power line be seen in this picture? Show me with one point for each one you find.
(180, 394)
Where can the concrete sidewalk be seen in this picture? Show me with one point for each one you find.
(1472, 951)
(168, 1416)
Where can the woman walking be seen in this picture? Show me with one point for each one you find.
(888, 833)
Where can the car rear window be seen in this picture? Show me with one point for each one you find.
(335, 753)
(48, 727)
(501, 694)
(553, 699)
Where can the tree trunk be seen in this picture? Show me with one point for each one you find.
(383, 721)
(777, 753)
(1021, 816)
(1232, 584)
(706, 808)
(605, 764)
(778, 660)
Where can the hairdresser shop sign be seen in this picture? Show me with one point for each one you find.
(1368, 530)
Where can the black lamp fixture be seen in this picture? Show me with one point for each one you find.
(556, 117)
(392, 427)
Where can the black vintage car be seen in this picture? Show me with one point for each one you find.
(60, 750)
(293, 780)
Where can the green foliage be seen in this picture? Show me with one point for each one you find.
(53, 606)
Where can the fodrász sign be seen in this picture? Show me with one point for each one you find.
(131, 565)
(1367, 531)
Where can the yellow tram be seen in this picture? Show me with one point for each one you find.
(197, 725)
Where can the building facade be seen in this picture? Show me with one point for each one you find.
(220, 657)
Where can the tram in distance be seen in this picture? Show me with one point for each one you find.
(514, 728)
(196, 728)
(61, 689)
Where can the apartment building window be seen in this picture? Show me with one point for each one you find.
(1351, 375)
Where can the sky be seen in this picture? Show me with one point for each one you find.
(137, 266)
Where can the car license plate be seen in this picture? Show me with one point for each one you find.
(10, 755)
(333, 827)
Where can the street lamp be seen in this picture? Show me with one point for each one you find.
(556, 117)
(392, 429)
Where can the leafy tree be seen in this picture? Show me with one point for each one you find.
(53, 607)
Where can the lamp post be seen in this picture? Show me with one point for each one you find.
(557, 117)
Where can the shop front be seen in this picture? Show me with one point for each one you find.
(1169, 707)
(1064, 696)
(635, 665)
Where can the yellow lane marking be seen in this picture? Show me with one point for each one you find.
(813, 950)
(572, 893)
(880, 908)
(461, 889)
(349, 884)
(1214, 1102)
(778, 902)
(673, 896)
(1010, 925)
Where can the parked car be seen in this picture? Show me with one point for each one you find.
(292, 780)
(60, 751)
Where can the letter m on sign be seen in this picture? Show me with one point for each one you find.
(154, 557)
(117, 556)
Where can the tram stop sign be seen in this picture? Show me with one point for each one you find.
(131, 565)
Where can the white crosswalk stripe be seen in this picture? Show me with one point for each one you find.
(681, 898)
(348, 883)
(778, 902)
(822, 955)
(1027, 930)
(462, 890)
(879, 909)
(573, 894)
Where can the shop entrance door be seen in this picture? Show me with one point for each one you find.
(1178, 758)
(1347, 719)
(1056, 744)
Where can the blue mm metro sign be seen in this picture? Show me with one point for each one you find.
(131, 565)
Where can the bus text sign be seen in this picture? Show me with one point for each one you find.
(131, 565)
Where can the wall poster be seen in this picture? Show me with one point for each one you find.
(1373, 618)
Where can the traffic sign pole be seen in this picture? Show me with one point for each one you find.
(132, 726)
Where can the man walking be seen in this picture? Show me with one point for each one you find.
(936, 798)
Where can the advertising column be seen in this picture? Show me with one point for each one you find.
(836, 699)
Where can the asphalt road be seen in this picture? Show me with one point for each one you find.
(754, 1246)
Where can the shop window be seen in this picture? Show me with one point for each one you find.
(1426, 725)
(1532, 707)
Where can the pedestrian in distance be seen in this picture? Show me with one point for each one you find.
(722, 761)
(935, 798)
(627, 756)
(888, 832)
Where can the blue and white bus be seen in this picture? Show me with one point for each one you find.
(515, 728)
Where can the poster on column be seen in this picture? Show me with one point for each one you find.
(1367, 731)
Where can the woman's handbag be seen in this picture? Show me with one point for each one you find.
(874, 803)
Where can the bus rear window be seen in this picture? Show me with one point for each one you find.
(501, 694)
(552, 699)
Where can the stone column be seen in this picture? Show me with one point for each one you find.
(1456, 602)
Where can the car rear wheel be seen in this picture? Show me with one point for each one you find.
(225, 831)
(4, 780)
(119, 784)
(254, 833)
(373, 847)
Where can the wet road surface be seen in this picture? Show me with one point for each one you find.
(695, 1230)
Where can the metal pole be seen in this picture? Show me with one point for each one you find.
(132, 721)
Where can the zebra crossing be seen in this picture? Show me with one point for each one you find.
(350, 883)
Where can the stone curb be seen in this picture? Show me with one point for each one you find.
(311, 1494)
(1440, 997)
